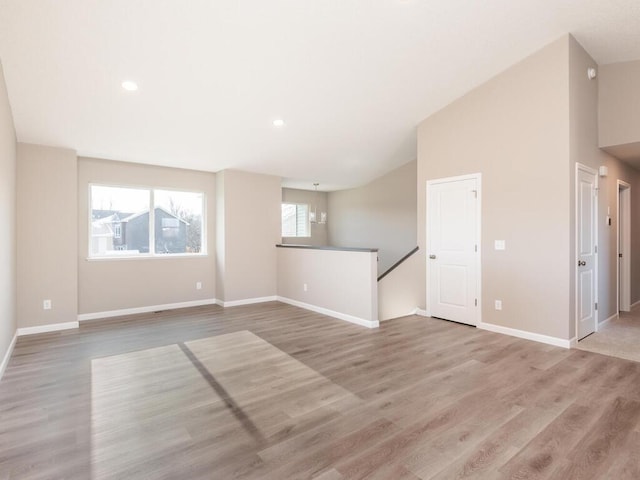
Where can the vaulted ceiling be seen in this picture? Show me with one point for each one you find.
(350, 78)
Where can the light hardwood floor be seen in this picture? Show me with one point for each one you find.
(271, 391)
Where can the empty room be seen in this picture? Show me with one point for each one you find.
(330, 240)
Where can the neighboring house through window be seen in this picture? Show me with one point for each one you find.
(144, 221)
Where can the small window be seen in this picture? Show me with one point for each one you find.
(295, 220)
(117, 230)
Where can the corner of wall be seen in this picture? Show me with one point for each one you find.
(8, 242)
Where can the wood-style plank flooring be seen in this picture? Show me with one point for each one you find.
(271, 391)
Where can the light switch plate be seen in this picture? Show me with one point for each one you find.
(500, 245)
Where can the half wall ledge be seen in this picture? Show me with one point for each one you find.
(335, 281)
(326, 247)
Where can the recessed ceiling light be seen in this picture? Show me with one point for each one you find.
(130, 86)
(278, 123)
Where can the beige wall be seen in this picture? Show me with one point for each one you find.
(47, 221)
(619, 110)
(514, 130)
(110, 284)
(340, 281)
(381, 214)
(8, 214)
(584, 149)
(311, 198)
(221, 265)
(250, 230)
(607, 238)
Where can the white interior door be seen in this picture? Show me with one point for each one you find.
(453, 246)
(624, 246)
(587, 235)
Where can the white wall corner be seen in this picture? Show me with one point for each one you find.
(7, 355)
(331, 313)
(536, 337)
(421, 312)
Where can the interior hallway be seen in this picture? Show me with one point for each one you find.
(619, 337)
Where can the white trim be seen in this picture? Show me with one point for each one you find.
(420, 312)
(615, 315)
(635, 304)
(153, 308)
(573, 343)
(7, 355)
(246, 301)
(536, 337)
(325, 311)
(478, 178)
(596, 286)
(52, 327)
(413, 311)
(621, 186)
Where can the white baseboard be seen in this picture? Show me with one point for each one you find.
(153, 308)
(52, 327)
(7, 355)
(421, 312)
(573, 342)
(604, 322)
(536, 337)
(411, 312)
(635, 304)
(246, 301)
(331, 313)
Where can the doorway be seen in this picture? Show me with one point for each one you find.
(453, 248)
(624, 246)
(586, 251)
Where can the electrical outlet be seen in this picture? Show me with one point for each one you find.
(198, 285)
(498, 304)
(304, 287)
(46, 305)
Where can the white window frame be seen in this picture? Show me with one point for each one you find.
(152, 234)
(297, 204)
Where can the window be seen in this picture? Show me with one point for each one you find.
(143, 221)
(295, 220)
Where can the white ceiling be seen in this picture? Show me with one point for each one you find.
(351, 78)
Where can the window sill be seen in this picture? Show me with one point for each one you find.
(147, 257)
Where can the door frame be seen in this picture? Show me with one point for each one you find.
(478, 178)
(626, 240)
(585, 168)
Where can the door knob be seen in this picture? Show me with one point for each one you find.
(581, 263)
(432, 257)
